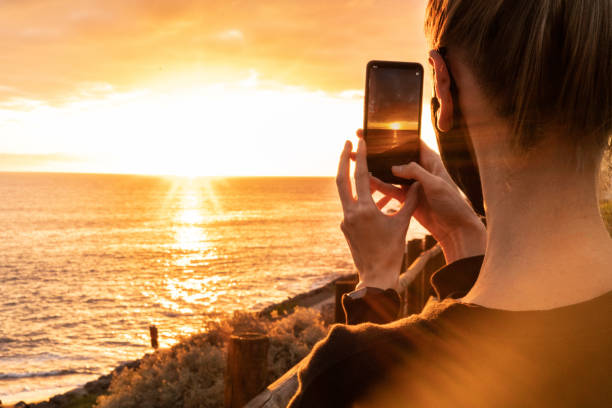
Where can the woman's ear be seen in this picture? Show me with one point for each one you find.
(442, 85)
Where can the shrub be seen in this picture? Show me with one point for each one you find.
(291, 339)
(190, 374)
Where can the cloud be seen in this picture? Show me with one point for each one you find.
(231, 35)
(53, 49)
(352, 94)
(252, 80)
(34, 162)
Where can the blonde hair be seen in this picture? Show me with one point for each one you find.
(544, 64)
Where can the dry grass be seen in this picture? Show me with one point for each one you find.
(190, 374)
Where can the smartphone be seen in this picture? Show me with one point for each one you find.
(392, 116)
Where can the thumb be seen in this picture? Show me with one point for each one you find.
(410, 202)
(414, 171)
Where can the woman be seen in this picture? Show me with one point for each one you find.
(529, 83)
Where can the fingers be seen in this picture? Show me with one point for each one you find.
(383, 201)
(362, 177)
(432, 162)
(343, 179)
(359, 134)
(414, 171)
(387, 189)
(411, 201)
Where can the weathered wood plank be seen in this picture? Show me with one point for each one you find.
(247, 368)
(279, 393)
(418, 266)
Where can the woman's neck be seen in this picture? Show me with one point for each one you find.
(546, 243)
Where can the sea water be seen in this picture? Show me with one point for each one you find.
(88, 262)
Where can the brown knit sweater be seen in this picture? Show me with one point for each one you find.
(463, 355)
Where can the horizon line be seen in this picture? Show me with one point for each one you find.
(156, 174)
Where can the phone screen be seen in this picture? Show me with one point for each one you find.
(394, 92)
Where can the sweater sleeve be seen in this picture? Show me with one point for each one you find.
(343, 367)
(451, 281)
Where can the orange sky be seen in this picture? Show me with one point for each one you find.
(191, 87)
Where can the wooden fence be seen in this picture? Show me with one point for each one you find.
(247, 358)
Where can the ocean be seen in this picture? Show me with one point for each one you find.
(88, 262)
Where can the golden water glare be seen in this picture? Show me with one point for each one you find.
(184, 291)
(190, 237)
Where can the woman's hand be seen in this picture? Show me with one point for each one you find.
(441, 208)
(376, 240)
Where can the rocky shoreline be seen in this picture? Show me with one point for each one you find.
(321, 298)
(79, 397)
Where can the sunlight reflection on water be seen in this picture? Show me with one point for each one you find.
(89, 261)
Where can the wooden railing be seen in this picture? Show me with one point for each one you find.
(424, 257)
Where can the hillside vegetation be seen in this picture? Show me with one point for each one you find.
(191, 373)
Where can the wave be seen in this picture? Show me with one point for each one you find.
(52, 373)
(123, 343)
(40, 318)
(101, 300)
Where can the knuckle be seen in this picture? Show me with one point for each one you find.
(361, 212)
(349, 215)
(361, 173)
(364, 212)
(437, 185)
(436, 168)
(406, 169)
(347, 224)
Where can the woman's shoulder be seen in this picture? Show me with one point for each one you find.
(355, 338)
(353, 358)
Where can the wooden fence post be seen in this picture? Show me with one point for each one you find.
(153, 333)
(433, 265)
(429, 242)
(342, 287)
(247, 368)
(413, 250)
(417, 294)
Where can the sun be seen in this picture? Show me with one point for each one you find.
(395, 126)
